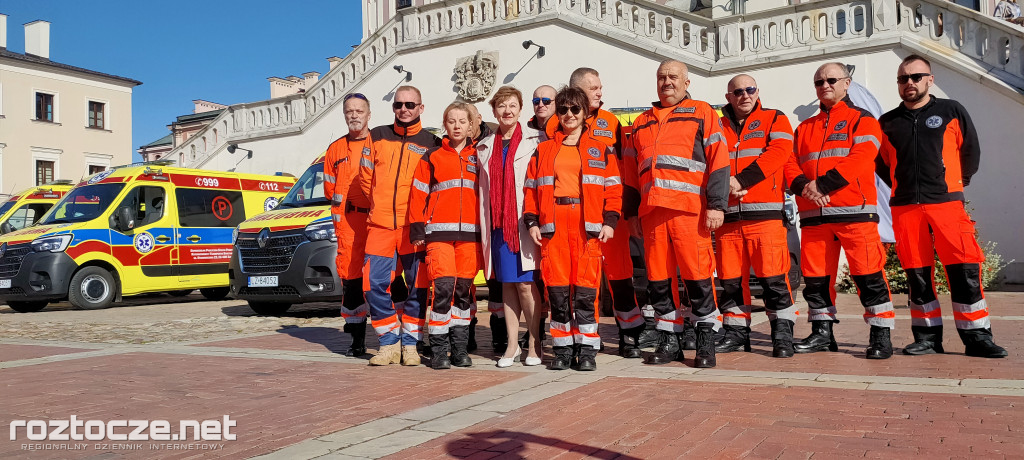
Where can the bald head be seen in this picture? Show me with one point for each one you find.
(742, 95)
(673, 81)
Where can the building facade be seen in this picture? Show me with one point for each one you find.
(58, 121)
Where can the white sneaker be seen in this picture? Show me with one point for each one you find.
(507, 362)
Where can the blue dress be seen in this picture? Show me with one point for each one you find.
(508, 266)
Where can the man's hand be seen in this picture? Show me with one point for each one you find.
(735, 189)
(823, 201)
(811, 192)
(418, 243)
(606, 234)
(714, 219)
(535, 234)
(635, 228)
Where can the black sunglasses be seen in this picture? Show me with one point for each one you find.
(408, 105)
(565, 109)
(749, 90)
(355, 96)
(831, 81)
(539, 100)
(902, 79)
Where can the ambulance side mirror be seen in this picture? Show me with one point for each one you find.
(124, 221)
(5, 228)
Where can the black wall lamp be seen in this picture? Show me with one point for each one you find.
(408, 74)
(233, 147)
(540, 49)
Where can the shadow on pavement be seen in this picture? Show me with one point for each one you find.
(307, 310)
(330, 338)
(512, 444)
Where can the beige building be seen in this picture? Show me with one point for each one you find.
(58, 121)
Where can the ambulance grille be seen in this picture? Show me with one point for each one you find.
(272, 291)
(10, 263)
(274, 257)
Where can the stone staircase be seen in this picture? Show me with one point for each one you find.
(983, 48)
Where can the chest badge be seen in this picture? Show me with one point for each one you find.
(754, 124)
(594, 152)
(840, 125)
(933, 121)
(602, 123)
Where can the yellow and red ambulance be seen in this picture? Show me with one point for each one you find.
(28, 206)
(134, 230)
(287, 255)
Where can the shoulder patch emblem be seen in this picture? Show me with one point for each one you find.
(754, 124)
(933, 121)
(366, 151)
(594, 152)
(602, 123)
(144, 242)
(840, 125)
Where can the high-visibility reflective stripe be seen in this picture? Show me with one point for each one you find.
(868, 138)
(971, 316)
(590, 179)
(545, 180)
(441, 186)
(355, 316)
(548, 228)
(337, 199)
(674, 185)
(927, 315)
(680, 162)
(737, 316)
(714, 137)
(646, 164)
(629, 319)
(439, 322)
(451, 227)
(421, 186)
(839, 210)
(366, 163)
(789, 313)
(670, 322)
(496, 308)
(754, 207)
(881, 315)
(588, 328)
(613, 180)
(385, 325)
(779, 135)
(413, 326)
(836, 152)
(329, 178)
(461, 317)
(530, 183)
(822, 314)
(713, 318)
(336, 217)
(745, 153)
(561, 334)
(592, 227)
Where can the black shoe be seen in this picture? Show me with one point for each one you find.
(667, 351)
(499, 335)
(471, 345)
(978, 343)
(688, 339)
(439, 345)
(562, 359)
(782, 338)
(587, 359)
(879, 345)
(821, 339)
(423, 348)
(358, 332)
(648, 338)
(460, 337)
(629, 342)
(705, 346)
(735, 338)
(927, 340)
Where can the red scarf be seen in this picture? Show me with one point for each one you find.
(504, 212)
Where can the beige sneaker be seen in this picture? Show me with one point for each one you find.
(410, 357)
(388, 354)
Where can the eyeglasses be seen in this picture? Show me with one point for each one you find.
(902, 79)
(831, 81)
(408, 105)
(540, 100)
(355, 96)
(565, 109)
(738, 92)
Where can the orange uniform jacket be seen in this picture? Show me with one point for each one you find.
(757, 153)
(443, 204)
(386, 175)
(682, 159)
(341, 174)
(601, 186)
(837, 147)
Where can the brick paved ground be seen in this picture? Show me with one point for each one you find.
(18, 352)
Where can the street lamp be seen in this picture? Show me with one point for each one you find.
(233, 147)
(408, 74)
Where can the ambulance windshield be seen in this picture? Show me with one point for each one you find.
(7, 206)
(82, 204)
(308, 191)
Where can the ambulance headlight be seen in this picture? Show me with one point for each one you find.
(321, 231)
(56, 243)
(234, 235)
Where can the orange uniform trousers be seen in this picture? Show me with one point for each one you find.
(761, 245)
(387, 251)
(350, 230)
(452, 266)
(678, 240)
(819, 262)
(921, 231)
(570, 266)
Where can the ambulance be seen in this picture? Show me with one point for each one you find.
(287, 255)
(132, 230)
(26, 208)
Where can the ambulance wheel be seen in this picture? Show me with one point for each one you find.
(181, 293)
(27, 306)
(269, 308)
(92, 288)
(215, 293)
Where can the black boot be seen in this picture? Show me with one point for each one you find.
(978, 343)
(782, 338)
(688, 338)
(927, 340)
(499, 335)
(734, 339)
(587, 359)
(439, 345)
(705, 346)
(629, 342)
(879, 345)
(667, 351)
(562, 359)
(358, 332)
(471, 345)
(649, 336)
(821, 339)
(460, 337)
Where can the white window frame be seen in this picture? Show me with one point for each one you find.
(2, 146)
(56, 104)
(2, 100)
(46, 154)
(96, 159)
(107, 121)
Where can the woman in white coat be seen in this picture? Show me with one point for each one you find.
(510, 255)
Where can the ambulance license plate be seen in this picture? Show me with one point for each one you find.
(254, 281)
(6, 284)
